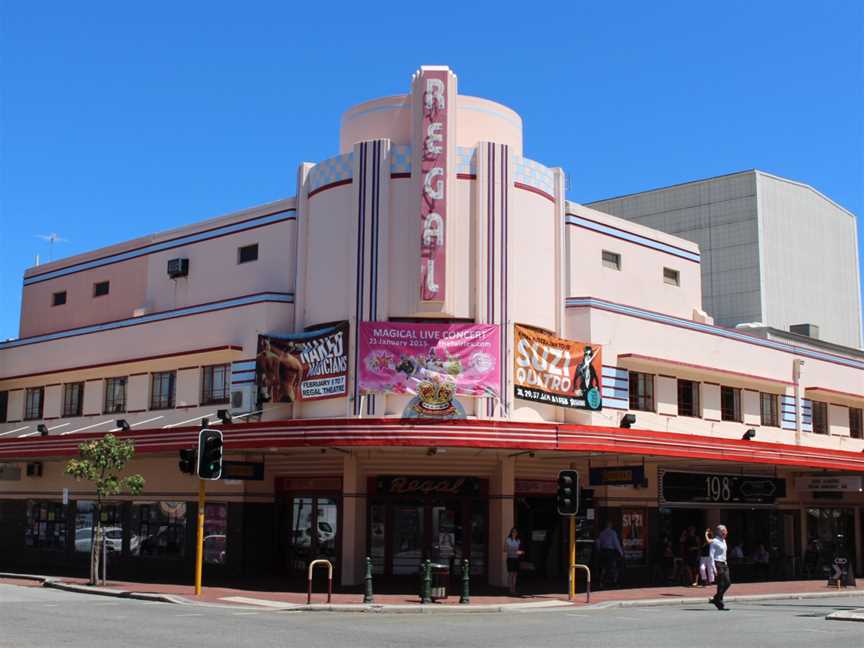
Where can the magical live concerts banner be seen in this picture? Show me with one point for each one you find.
(435, 362)
(303, 366)
(560, 372)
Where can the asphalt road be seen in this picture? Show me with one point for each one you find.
(43, 617)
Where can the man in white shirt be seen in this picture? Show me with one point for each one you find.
(717, 552)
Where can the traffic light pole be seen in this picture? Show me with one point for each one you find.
(199, 543)
(572, 591)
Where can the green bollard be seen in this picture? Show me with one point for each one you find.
(426, 588)
(465, 598)
(367, 594)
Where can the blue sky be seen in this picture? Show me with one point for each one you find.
(122, 119)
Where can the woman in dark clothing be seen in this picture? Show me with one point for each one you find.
(691, 557)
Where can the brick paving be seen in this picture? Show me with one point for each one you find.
(219, 594)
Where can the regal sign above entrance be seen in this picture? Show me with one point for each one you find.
(406, 485)
(433, 177)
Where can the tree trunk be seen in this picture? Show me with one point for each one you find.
(97, 544)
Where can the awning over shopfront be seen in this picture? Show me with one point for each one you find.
(838, 397)
(468, 433)
(651, 364)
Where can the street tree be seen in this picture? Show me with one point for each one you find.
(101, 462)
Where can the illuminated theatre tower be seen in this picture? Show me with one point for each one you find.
(430, 215)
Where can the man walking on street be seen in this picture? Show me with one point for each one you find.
(610, 550)
(717, 552)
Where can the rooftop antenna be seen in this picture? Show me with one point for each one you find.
(37, 258)
(52, 238)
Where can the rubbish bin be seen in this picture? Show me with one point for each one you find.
(440, 579)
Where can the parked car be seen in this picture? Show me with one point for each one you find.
(113, 539)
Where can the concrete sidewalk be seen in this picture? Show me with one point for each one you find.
(410, 603)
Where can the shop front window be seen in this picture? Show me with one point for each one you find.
(215, 534)
(46, 525)
(830, 531)
(377, 537)
(161, 529)
(112, 526)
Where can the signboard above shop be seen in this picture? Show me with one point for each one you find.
(835, 483)
(303, 366)
(549, 369)
(434, 363)
(718, 490)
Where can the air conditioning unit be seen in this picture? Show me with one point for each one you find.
(178, 268)
(34, 469)
(243, 398)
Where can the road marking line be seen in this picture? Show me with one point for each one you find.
(245, 613)
(255, 601)
(188, 615)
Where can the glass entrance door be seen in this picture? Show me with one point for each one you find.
(407, 538)
(312, 531)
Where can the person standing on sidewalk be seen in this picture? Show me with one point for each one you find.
(717, 551)
(611, 551)
(513, 548)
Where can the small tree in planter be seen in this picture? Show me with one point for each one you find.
(101, 462)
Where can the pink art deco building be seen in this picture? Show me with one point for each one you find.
(430, 212)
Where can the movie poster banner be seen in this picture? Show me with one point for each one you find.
(303, 366)
(434, 362)
(548, 369)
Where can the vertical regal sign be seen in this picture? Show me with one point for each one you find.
(433, 177)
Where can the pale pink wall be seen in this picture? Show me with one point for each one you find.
(532, 228)
(237, 326)
(214, 273)
(621, 334)
(329, 250)
(127, 289)
(477, 120)
(640, 280)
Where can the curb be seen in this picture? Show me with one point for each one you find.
(847, 615)
(380, 608)
(743, 598)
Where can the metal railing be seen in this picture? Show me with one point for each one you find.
(320, 561)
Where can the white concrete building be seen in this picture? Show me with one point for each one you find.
(774, 250)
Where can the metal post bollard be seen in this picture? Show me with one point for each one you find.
(465, 598)
(367, 594)
(425, 590)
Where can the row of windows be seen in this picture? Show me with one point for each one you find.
(642, 399)
(215, 390)
(612, 260)
(149, 529)
(245, 254)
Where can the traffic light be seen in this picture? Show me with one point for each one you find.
(188, 462)
(210, 454)
(568, 492)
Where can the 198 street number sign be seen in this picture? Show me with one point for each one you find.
(723, 490)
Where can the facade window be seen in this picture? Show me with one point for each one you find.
(215, 384)
(730, 404)
(688, 398)
(769, 407)
(160, 528)
(855, 423)
(611, 260)
(58, 298)
(101, 288)
(247, 253)
(112, 526)
(4, 406)
(46, 525)
(671, 277)
(820, 418)
(216, 533)
(33, 399)
(115, 395)
(162, 390)
(73, 399)
(641, 391)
